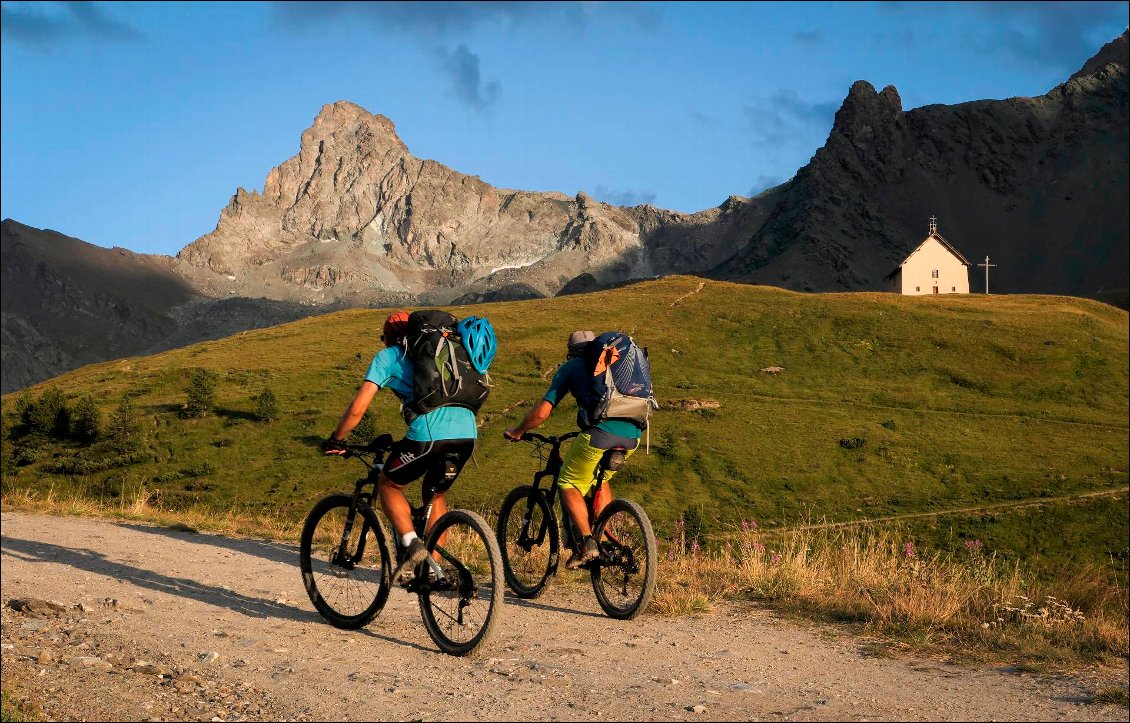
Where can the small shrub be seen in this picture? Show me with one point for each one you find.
(47, 416)
(201, 470)
(853, 443)
(267, 407)
(695, 528)
(8, 466)
(28, 450)
(23, 404)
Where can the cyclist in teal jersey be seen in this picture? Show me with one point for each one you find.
(442, 437)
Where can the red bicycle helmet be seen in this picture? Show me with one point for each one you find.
(396, 325)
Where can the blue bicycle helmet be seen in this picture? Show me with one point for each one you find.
(479, 341)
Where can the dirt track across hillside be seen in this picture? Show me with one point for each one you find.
(166, 625)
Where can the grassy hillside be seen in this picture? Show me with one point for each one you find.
(887, 406)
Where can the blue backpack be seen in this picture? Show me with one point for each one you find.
(620, 382)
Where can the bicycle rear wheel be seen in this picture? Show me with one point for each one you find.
(623, 577)
(460, 608)
(528, 540)
(346, 575)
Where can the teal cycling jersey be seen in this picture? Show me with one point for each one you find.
(392, 369)
(571, 378)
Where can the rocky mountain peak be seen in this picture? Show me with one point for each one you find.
(1116, 52)
(343, 116)
(866, 107)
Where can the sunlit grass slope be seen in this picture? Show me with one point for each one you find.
(886, 406)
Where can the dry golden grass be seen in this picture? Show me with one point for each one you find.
(142, 504)
(972, 604)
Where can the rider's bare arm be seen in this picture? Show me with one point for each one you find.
(356, 409)
(537, 414)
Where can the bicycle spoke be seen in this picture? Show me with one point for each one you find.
(347, 589)
(527, 537)
(623, 578)
(459, 613)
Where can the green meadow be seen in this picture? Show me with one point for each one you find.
(998, 419)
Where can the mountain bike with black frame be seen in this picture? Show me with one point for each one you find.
(347, 559)
(530, 539)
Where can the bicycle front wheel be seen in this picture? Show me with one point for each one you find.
(460, 603)
(346, 563)
(623, 577)
(528, 540)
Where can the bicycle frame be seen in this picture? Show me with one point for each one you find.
(553, 470)
(420, 514)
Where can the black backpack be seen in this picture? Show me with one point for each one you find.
(442, 373)
(619, 379)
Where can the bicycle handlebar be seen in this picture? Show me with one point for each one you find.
(534, 437)
(379, 445)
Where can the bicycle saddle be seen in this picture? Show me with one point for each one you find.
(613, 459)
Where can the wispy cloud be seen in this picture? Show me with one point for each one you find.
(786, 118)
(462, 69)
(704, 119)
(1057, 35)
(809, 37)
(764, 183)
(623, 198)
(48, 25)
(442, 28)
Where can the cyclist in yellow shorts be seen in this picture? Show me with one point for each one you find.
(579, 470)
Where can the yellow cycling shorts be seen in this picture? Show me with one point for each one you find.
(579, 468)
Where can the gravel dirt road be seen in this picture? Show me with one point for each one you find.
(148, 623)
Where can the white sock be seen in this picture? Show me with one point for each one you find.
(406, 539)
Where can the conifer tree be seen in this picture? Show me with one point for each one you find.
(201, 393)
(268, 406)
(48, 416)
(86, 420)
(125, 431)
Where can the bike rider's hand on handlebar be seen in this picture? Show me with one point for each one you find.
(514, 434)
(333, 446)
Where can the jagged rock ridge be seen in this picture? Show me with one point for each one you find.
(1038, 184)
(354, 215)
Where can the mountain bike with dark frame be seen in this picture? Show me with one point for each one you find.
(529, 538)
(347, 559)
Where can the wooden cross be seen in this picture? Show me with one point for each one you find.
(986, 265)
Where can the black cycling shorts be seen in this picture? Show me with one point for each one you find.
(409, 459)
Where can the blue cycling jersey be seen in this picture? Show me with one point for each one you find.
(392, 369)
(572, 378)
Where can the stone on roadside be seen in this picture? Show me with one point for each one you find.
(36, 606)
(88, 661)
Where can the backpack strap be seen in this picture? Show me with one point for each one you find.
(452, 363)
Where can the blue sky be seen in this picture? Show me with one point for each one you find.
(131, 124)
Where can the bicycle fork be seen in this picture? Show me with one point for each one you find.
(341, 555)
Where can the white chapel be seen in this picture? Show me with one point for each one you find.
(935, 267)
